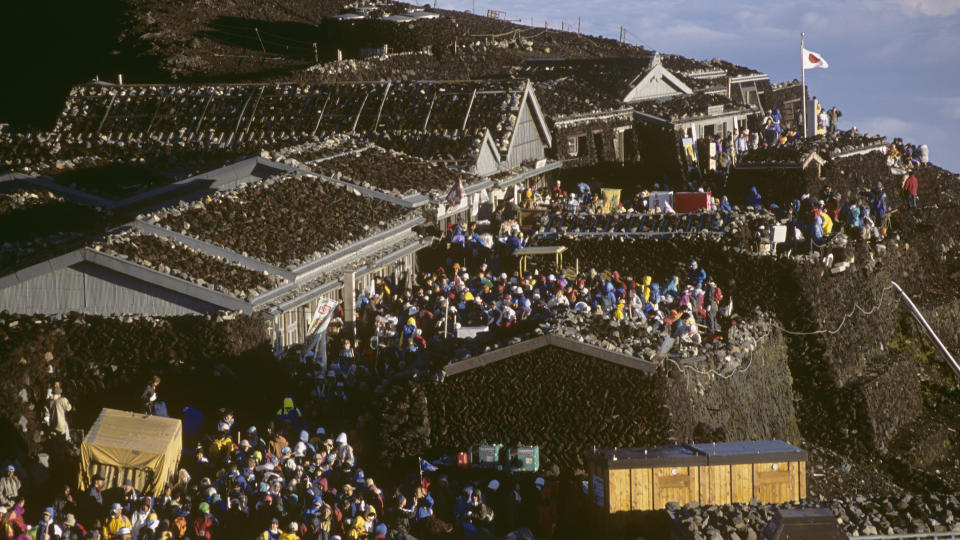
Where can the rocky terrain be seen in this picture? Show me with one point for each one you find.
(103, 361)
(856, 516)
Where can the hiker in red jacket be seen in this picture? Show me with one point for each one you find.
(910, 186)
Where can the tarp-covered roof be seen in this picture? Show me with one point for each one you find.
(123, 446)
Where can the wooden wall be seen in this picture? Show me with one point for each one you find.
(653, 488)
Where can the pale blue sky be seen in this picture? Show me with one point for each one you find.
(894, 64)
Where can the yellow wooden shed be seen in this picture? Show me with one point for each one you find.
(625, 479)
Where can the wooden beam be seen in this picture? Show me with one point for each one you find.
(429, 112)
(357, 119)
(106, 114)
(386, 92)
(320, 118)
(469, 108)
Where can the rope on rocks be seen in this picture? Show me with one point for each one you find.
(717, 373)
(856, 307)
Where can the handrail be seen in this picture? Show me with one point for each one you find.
(929, 331)
(952, 535)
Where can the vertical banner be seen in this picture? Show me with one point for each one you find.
(611, 200)
(317, 330)
(690, 151)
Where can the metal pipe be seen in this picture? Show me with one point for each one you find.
(933, 336)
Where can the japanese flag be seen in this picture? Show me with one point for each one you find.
(813, 60)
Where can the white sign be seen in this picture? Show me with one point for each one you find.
(661, 200)
(470, 332)
(541, 163)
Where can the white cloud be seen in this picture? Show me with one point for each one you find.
(948, 106)
(885, 125)
(930, 8)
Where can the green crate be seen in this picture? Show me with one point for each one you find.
(485, 456)
(523, 458)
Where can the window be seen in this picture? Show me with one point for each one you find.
(572, 147)
(750, 96)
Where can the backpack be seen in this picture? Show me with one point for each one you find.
(717, 294)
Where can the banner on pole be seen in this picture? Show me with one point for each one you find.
(318, 324)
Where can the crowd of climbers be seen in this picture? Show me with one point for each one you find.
(288, 481)
(291, 479)
(865, 215)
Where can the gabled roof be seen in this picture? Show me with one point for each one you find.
(577, 86)
(249, 257)
(657, 83)
(549, 340)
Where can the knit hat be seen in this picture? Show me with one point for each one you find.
(204, 507)
(380, 529)
(70, 520)
(493, 485)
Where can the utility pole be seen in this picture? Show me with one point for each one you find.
(803, 86)
(578, 26)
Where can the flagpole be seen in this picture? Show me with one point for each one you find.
(803, 85)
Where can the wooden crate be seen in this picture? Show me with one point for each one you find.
(643, 478)
(718, 473)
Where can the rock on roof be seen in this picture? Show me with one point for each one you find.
(286, 221)
(36, 225)
(178, 259)
(576, 86)
(570, 96)
(393, 172)
(225, 115)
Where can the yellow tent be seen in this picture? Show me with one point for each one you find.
(129, 446)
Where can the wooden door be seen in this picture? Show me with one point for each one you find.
(641, 489)
(772, 482)
(675, 484)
